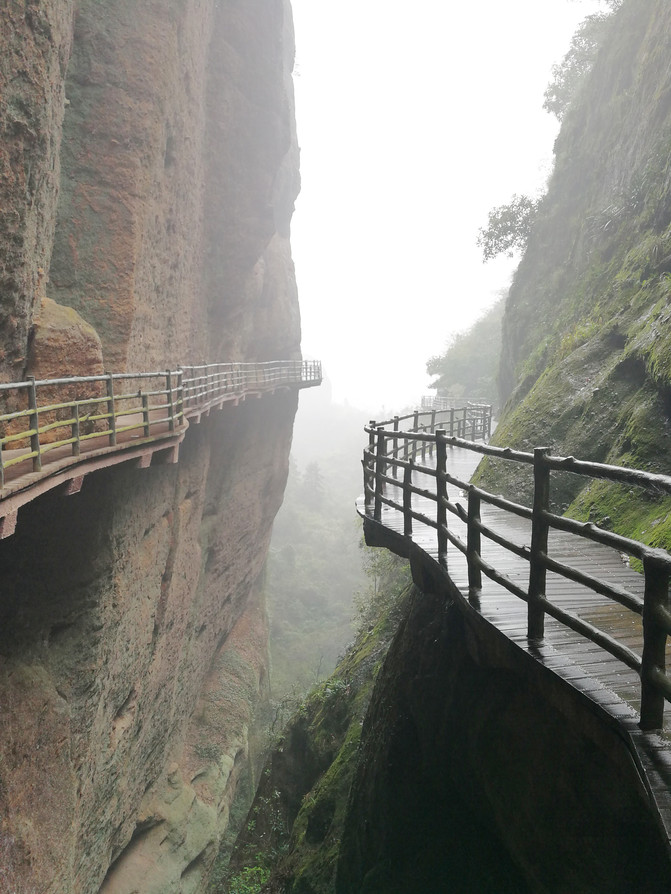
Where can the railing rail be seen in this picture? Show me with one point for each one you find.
(47, 415)
(391, 460)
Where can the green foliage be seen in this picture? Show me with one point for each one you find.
(628, 511)
(588, 353)
(311, 769)
(468, 367)
(388, 576)
(313, 487)
(208, 751)
(569, 74)
(314, 567)
(250, 881)
(508, 228)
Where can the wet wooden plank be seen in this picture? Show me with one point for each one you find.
(509, 614)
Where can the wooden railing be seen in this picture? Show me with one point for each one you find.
(389, 465)
(52, 414)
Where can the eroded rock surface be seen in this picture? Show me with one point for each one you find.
(149, 167)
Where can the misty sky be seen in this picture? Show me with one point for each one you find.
(414, 119)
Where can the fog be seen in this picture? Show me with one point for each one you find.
(414, 120)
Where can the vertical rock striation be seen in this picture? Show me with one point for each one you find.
(149, 162)
(34, 51)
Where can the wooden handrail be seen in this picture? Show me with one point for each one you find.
(450, 428)
(45, 415)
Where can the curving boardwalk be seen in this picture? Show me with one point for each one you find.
(56, 431)
(594, 621)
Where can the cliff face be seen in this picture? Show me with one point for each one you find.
(35, 47)
(477, 771)
(439, 757)
(586, 360)
(149, 170)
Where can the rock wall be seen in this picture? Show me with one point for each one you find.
(586, 362)
(480, 771)
(35, 48)
(149, 162)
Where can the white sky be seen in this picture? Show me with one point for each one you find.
(414, 119)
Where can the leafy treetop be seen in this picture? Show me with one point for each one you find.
(508, 228)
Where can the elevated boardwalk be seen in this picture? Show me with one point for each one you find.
(403, 512)
(55, 432)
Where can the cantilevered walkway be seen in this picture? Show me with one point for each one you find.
(562, 590)
(56, 431)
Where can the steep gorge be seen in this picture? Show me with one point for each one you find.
(149, 165)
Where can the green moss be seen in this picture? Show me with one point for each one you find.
(628, 511)
(209, 751)
(313, 766)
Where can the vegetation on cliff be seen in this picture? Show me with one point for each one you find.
(586, 360)
(313, 570)
(291, 838)
(441, 758)
(468, 366)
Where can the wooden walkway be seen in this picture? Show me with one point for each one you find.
(140, 418)
(586, 666)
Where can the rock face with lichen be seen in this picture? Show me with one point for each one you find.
(149, 168)
(586, 365)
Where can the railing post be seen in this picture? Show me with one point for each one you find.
(171, 404)
(394, 468)
(654, 643)
(180, 394)
(415, 426)
(433, 429)
(441, 496)
(368, 471)
(539, 544)
(407, 501)
(489, 421)
(76, 445)
(34, 425)
(380, 469)
(451, 422)
(473, 545)
(145, 414)
(111, 410)
(188, 370)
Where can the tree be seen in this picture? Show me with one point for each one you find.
(313, 486)
(508, 228)
(469, 364)
(569, 74)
